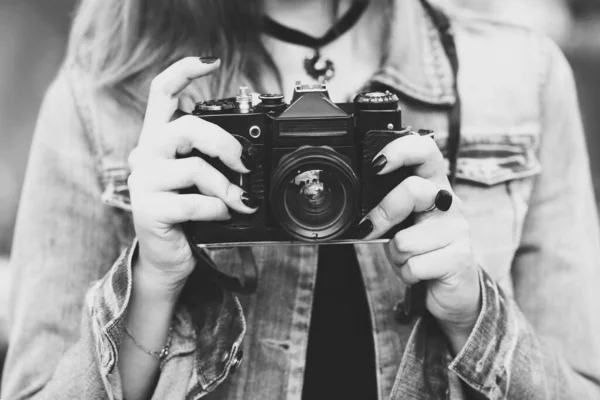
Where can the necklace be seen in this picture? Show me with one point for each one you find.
(317, 67)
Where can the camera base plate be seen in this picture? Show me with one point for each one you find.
(288, 243)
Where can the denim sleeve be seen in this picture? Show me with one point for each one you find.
(67, 303)
(546, 344)
(208, 328)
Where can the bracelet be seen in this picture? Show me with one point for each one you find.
(159, 355)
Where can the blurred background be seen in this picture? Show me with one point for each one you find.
(33, 40)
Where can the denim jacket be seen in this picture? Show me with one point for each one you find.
(523, 174)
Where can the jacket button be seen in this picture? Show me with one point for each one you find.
(237, 360)
(400, 314)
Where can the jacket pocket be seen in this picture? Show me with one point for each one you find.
(495, 174)
(491, 159)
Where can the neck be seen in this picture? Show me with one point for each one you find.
(313, 17)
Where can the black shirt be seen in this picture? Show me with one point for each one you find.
(340, 358)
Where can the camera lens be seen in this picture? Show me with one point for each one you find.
(314, 194)
(312, 197)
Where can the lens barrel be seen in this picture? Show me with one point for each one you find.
(314, 194)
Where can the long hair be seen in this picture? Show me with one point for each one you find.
(124, 43)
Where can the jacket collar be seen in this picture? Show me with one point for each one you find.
(416, 64)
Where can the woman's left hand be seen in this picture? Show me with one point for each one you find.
(437, 248)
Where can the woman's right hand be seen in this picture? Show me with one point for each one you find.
(157, 175)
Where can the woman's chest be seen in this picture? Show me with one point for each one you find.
(354, 57)
(352, 68)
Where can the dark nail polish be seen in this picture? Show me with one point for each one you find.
(208, 59)
(250, 157)
(364, 229)
(379, 163)
(250, 200)
(443, 200)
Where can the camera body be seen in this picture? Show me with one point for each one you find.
(314, 177)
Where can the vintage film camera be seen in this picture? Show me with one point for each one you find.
(314, 176)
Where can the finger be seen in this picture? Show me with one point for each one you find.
(187, 133)
(430, 235)
(427, 266)
(174, 208)
(414, 194)
(166, 86)
(168, 175)
(419, 152)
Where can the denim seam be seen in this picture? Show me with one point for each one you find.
(399, 376)
(543, 83)
(372, 313)
(437, 55)
(511, 195)
(544, 75)
(200, 389)
(306, 285)
(509, 176)
(81, 101)
(464, 354)
(129, 266)
(108, 329)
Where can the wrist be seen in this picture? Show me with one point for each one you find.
(458, 325)
(154, 284)
(459, 330)
(457, 335)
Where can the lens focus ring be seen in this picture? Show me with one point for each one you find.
(315, 194)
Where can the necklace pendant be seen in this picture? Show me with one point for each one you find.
(319, 68)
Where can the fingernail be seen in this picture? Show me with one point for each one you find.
(443, 200)
(364, 229)
(208, 59)
(379, 163)
(249, 157)
(250, 200)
